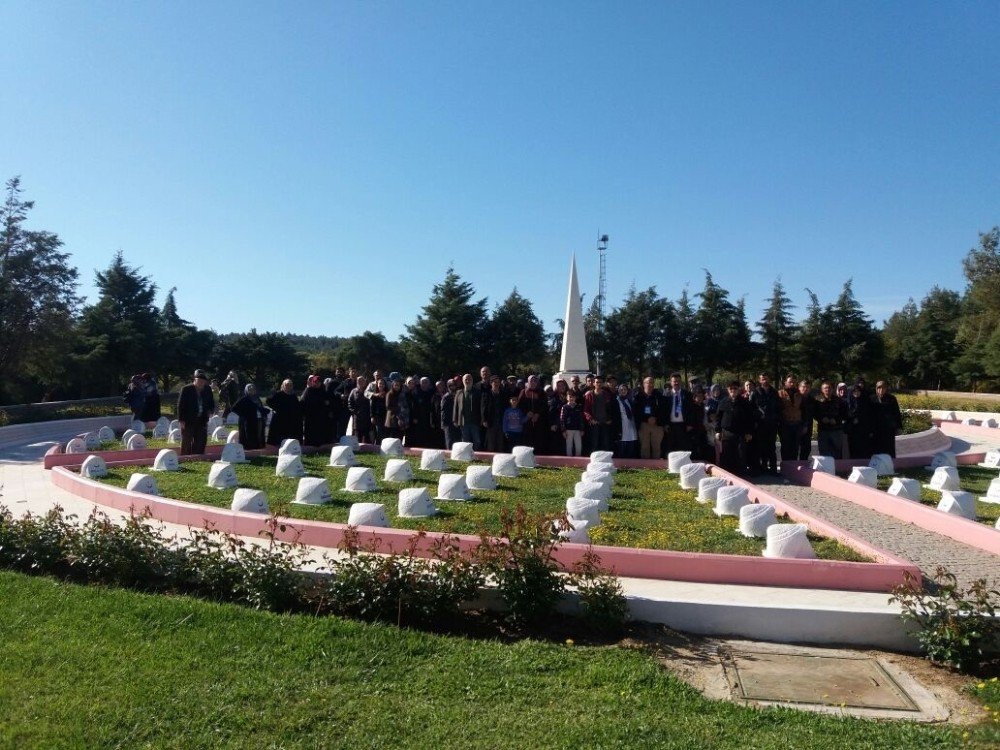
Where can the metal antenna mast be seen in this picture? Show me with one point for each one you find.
(602, 288)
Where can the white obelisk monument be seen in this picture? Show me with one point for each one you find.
(574, 359)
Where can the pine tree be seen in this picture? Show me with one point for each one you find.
(37, 293)
(517, 336)
(777, 331)
(979, 329)
(721, 334)
(857, 347)
(182, 347)
(679, 348)
(119, 333)
(447, 337)
(636, 334)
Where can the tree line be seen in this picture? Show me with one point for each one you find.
(53, 346)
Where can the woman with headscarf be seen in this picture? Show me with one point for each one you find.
(377, 404)
(286, 422)
(396, 410)
(253, 417)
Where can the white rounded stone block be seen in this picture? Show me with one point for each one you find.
(578, 531)
(342, 457)
(233, 453)
(222, 476)
(290, 466)
(175, 424)
(991, 460)
(992, 492)
(945, 478)
(480, 478)
(165, 421)
(76, 445)
(584, 508)
(214, 421)
(677, 459)
(391, 447)
(729, 500)
(160, 431)
(360, 479)
(864, 475)
(505, 465)
(312, 491)
(174, 437)
(691, 474)
(398, 470)
(970, 422)
(126, 435)
(592, 490)
(94, 467)
(524, 456)
(290, 447)
(232, 418)
(351, 441)
(106, 434)
(604, 479)
(603, 457)
(906, 488)
(950, 416)
(824, 464)
(138, 426)
(368, 514)
(220, 435)
(882, 463)
(143, 483)
(958, 503)
(415, 502)
(432, 460)
(944, 458)
(788, 540)
(234, 437)
(756, 519)
(462, 452)
(605, 467)
(136, 443)
(166, 460)
(452, 487)
(991, 422)
(997, 525)
(708, 488)
(246, 500)
(92, 440)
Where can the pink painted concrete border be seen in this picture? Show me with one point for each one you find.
(957, 429)
(640, 563)
(973, 533)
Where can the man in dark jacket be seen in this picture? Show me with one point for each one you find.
(887, 420)
(734, 425)
(650, 410)
(682, 414)
(194, 405)
(765, 403)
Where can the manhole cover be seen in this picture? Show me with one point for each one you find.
(857, 682)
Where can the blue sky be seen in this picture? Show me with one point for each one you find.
(316, 167)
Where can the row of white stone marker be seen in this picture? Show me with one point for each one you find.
(784, 540)
(972, 421)
(945, 480)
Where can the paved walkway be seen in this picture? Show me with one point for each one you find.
(924, 548)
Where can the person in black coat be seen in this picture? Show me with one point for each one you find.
(317, 424)
(194, 405)
(860, 422)
(494, 404)
(253, 418)
(151, 405)
(887, 420)
(734, 429)
(286, 422)
(360, 409)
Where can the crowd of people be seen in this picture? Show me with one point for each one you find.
(738, 427)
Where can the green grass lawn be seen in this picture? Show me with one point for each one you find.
(92, 667)
(974, 479)
(648, 509)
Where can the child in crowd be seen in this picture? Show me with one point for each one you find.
(513, 423)
(571, 424)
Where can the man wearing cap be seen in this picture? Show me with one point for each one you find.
(194, 405)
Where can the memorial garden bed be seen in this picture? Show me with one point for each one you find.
(648, 509)
(973, 479)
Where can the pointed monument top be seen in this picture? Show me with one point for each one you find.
(574, 359)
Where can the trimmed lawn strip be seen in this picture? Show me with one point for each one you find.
(648, 509)
(92, 667)
(974, 479)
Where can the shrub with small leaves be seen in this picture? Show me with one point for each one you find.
(602, 601)
(957, 627)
